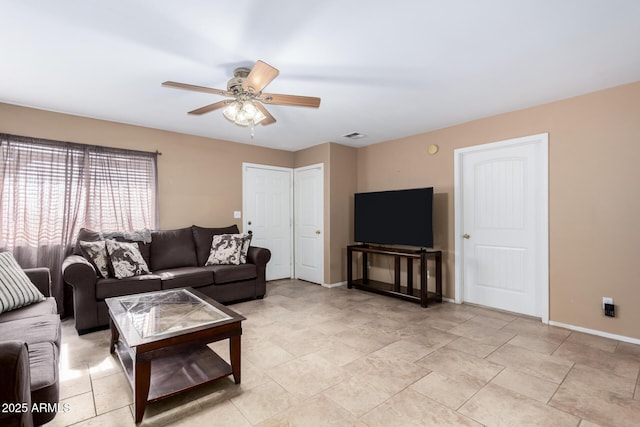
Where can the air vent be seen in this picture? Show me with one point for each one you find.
(354, 135)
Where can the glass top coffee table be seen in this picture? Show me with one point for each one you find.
(161, 340)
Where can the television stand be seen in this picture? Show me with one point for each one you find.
(395, 289)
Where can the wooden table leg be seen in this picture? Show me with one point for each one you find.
(349, 268)
(234, 350)
(396, 275)
(410, 276)
(115, 336)
(424, 291)
(365, 268)
(439, 276)
(141, 382)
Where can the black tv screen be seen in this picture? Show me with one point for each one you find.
(399, 217)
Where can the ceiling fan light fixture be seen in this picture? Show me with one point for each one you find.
(247, 107)
(243, 113)
(231, 111)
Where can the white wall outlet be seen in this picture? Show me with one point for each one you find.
(237, 214)
(606, 300)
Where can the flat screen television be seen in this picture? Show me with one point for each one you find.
(398, 217)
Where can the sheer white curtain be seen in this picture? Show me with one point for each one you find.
(50, 189)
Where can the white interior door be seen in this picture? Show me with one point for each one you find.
(309, 230)
(503, 229)
(267, 206)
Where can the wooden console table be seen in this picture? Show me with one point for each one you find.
(395, 289)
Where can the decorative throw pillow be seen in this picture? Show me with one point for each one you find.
(126, 259)
(229, 249)
(16, 290)
(96, 254)
(85, 235)
(245, 248)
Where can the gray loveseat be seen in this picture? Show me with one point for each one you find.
(29, 353)
(176, 259)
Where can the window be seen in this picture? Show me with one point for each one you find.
(50, 189)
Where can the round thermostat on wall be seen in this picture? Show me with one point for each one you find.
(432, 149)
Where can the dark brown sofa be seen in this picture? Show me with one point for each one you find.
(176, 259)
(29, 353)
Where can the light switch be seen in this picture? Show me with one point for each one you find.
(237, 214)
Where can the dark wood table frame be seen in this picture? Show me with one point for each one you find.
(395, 289)
(163, 366)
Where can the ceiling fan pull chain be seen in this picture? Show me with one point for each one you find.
(252, 128)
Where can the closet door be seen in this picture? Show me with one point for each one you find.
(309, 228)
(267, 206)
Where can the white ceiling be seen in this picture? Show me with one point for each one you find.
(384, 68)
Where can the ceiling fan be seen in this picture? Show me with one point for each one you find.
(246, 108)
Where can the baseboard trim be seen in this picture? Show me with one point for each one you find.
(333, 285)
(596, 332)
(551, 322)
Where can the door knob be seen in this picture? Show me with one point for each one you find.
(317, 231)
(466, 236)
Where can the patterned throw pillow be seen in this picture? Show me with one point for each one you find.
(96, 254)
(16, 290)
(126, 259)
(245, 248)
(229, 249)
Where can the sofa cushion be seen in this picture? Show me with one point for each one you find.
(125, 259)
(203, 237)
(16, 290)
(41, 357)
(85, 235)
(107, 288)
(172, 248)
(43, 367)
(185, 277)
(33, 330)
(96, 254)
(232, 273)
(48, 306)
(16, 382)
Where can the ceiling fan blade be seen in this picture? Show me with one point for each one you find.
(260, 76)
(196, 88)
(269, 118)
(211, 107)
(298, 101)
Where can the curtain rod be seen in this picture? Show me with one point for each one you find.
(22, 138)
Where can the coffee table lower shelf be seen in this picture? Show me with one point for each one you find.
(176, 371)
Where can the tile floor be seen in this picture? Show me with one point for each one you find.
(317, 356)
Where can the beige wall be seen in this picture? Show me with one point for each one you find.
(594, 144)
(343, 184)
(340, 164)
(594, 147)
(199, 179)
